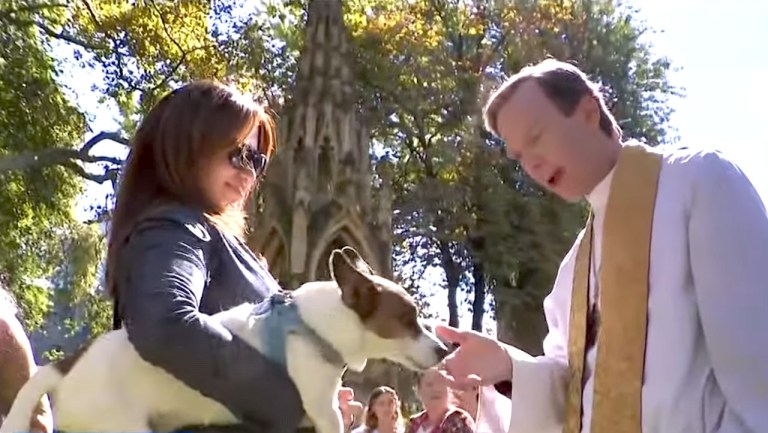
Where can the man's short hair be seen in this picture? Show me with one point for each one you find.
(564, 84)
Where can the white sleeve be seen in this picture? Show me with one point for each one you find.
(539, 384)
(728, 232)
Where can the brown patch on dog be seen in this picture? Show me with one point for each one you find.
(66, 364)
(395, 315)
(384, 307)
(358, 292)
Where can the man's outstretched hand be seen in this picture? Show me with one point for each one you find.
(479, 360)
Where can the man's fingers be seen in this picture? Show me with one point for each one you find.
(449, 379)
(472, 381)
(449, 334)
(461, 383)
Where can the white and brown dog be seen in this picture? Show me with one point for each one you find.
(327, 326)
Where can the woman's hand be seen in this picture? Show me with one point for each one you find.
(351, 410)
(42, 419)
(479, 360)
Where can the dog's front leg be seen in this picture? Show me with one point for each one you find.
(318, 383)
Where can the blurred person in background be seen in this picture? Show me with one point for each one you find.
(382, 414)
(17, 364)
(441, 413)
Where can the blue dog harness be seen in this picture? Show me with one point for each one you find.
(280, 317)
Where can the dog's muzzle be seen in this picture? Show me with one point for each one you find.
(441, 352)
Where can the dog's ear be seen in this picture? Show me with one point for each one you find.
(356, 260)
(358, 291)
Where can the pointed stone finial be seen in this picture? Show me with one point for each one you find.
(324, 64)
(324, 10)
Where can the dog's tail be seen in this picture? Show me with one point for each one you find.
(25, 404)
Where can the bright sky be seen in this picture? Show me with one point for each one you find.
(721, 52)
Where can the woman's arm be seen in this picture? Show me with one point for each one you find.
(17, 365)
(161, 277)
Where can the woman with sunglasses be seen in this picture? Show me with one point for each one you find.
(176, 251)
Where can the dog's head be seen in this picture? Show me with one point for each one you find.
(388, 314)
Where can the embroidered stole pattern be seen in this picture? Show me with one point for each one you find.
(623, 299)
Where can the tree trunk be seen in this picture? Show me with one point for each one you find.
(452, 278)
(520, 323)
(478, 303)
(453, 307)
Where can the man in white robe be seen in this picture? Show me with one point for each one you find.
(706, 347)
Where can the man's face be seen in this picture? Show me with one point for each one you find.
(558, 152)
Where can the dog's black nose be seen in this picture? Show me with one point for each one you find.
(441, 352)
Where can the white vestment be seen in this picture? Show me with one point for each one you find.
(706, 366)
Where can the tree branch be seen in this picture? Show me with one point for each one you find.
(7, 12)
(92, 12)
(65, 37)
(110, 174)
(69, 158)
(103, 136)
(50, 32)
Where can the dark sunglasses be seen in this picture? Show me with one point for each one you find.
(248, 158)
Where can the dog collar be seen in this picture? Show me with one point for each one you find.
(281, 317)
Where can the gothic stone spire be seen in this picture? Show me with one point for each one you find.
(324, 71)
(318, 193)
(321, 123)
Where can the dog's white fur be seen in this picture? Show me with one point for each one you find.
(112, 389)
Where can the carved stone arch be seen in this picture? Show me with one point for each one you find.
(339, 235)
(274, 248)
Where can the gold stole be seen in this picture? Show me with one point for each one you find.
(623, 299)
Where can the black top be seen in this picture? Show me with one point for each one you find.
(174, 271)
